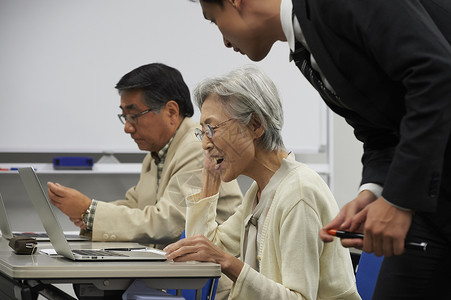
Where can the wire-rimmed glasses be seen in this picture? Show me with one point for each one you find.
(209, 130)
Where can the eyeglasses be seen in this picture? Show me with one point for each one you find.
(132, 119)
(209, 130)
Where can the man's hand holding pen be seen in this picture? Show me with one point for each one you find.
(385, 228)
(421, 246)
(384, 225)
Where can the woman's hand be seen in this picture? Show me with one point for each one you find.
(199, 248)
(211, 179)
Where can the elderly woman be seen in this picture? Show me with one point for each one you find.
(275, 231)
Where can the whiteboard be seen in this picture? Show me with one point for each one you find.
(61, 59)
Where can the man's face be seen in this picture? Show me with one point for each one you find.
(151, 131)
(241, 30)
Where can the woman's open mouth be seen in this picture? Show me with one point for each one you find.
(219, 160)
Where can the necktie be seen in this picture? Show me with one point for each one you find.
(301, 57)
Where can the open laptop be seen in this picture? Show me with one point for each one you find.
(8, 234)
(4, 224)
(56, 235)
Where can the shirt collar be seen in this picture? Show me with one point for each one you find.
(290, 25)
(161, 155)
(286, 18)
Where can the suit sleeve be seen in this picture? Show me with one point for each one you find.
(378, 150)
(408, 47)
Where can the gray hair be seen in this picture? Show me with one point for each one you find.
(244, 93)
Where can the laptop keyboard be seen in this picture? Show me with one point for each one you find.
(86, 252)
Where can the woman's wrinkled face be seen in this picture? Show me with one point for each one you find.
(231, 147)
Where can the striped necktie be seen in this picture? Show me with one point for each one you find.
(301, 57)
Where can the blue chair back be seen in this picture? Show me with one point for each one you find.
(367, 273)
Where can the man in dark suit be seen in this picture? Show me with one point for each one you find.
(385, 66)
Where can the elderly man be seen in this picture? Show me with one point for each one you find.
(156, 110)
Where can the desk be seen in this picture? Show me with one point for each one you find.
(20, 273)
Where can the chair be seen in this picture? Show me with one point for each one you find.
(367, 273)
(191, 294)
(138, 290)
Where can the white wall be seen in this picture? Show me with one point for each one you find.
(60, 61)
(55, 34)
(347, 168)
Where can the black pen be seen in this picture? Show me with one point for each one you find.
(125, 249)
(355, 235)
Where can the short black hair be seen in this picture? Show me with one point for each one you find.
(220, 2)
(160, 84)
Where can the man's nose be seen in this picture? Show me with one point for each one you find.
(128, 127)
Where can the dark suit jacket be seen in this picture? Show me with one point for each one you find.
(390, 62)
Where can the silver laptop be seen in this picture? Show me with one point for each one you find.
(56, 235)
(8, 234)
(4, 224)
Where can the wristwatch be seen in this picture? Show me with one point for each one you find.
(85, 216)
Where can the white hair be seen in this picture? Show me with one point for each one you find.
(246, 92)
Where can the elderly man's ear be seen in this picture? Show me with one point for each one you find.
(172, 109)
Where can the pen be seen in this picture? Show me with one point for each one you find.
(355, 235)
(125, 249)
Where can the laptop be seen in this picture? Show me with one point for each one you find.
(56, 235)
(8, 234)
(4, 224)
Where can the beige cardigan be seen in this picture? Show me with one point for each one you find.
(294, 262)
(154, 216)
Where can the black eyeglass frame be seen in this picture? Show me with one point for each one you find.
(132, 118)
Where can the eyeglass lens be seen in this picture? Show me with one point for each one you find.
(208, 132)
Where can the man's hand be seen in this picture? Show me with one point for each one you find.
(79, 223)
(385, 228)
(70, 201)
(344, 220)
